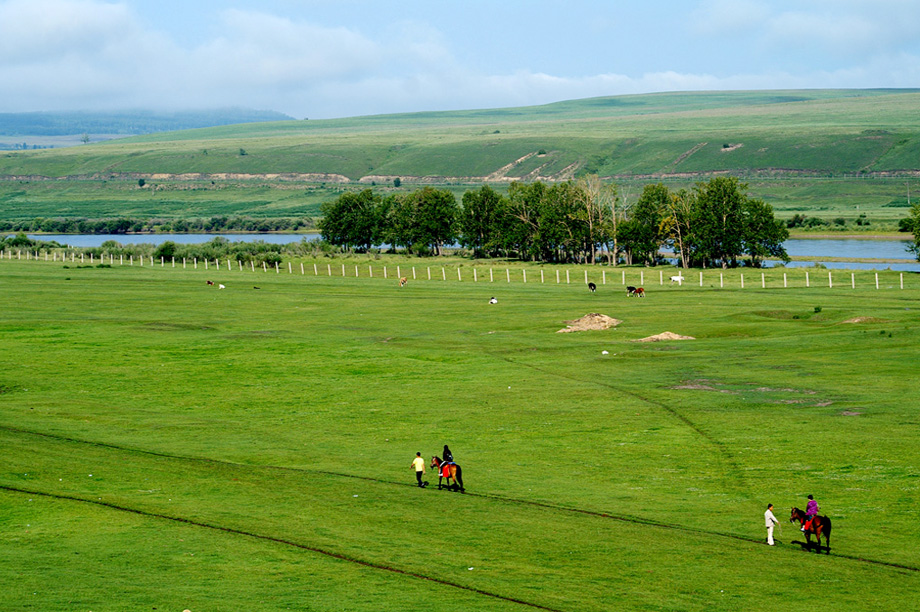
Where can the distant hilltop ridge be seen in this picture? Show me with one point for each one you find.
(126, 122)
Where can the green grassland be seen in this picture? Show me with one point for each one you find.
(821, 150)
(170, 445)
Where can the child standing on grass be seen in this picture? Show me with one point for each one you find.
(419, 464)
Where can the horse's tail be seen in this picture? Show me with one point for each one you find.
(460, 477)
(827, 530)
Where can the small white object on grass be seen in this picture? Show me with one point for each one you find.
(604, 353)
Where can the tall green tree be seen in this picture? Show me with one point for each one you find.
(645, 231)
(482, 221)
(351, 220)
(913, 223)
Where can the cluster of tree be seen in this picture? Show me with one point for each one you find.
(124, 225)
(714, 224)
(803, 221)
(257, 252)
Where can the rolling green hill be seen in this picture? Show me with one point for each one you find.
(767, 138)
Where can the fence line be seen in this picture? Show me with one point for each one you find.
(767, 279)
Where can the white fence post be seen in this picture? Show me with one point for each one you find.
(807, 282)
(876, 280)
(603, 277)
(763, 281)
(525, 276)
(853, 280)
(541, 275)
(742, 281)
(830, 280)
(508, 275)
(567, 279)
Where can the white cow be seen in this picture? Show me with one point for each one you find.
(677, 279)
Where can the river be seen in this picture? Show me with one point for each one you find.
(855, 248)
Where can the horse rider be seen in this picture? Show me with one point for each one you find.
(811, 511)
(447, 456)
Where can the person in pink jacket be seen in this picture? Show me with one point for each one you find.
(811, 510)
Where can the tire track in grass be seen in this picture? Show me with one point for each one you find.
(282, 541)
(633, 520)
(736, 472)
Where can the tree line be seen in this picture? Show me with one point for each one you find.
(714, 224)
(124, 225)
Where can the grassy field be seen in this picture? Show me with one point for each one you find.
(815, 152)
(170, 445)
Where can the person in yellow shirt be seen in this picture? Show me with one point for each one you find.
(419, 464)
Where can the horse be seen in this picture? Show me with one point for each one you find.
(449, 471)
(821, 525)
(403, 281)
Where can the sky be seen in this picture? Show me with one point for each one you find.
(342, 58)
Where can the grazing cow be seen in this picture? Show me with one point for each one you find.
(210, 282)
(256, 287)
(221, 287)
(630, 291)
(403, 281)
(640, 292)
(592, 287)
(493, 301)
(677, 279)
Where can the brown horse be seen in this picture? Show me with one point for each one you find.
(820, 525)
(448, 471)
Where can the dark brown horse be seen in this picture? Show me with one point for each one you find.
(820, 526)
(448, 471)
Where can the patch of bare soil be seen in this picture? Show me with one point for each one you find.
(865, 320)
(665, 336)
(850, 413)
(591, 321)
(691, 386)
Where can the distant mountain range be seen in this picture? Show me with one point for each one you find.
(51, 129)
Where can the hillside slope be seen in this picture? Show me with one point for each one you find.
(828, 133)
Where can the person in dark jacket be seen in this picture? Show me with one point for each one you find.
(448, 456)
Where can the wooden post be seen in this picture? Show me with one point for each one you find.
(742, 281)
(604, 277)
(508, 274)
(567, 279)
(329, 269)
(557, 276)
(290, 269)
(660, 277)
(876, 280)
(491, 277)
(830, 280)
(196, 262)
(475, 276)
(429, 272)
(525, 276)
(586, 277)
(459, 278)
(807, 283)
(701, 279)
(315, 270)
(229, 266)
(853, 280)
(624, 277)
(784, 280)
(763, 281)
(541, 275)
(413, 272)
(205, 262)
(132, 260)
(240, 262)
(384, 272)
(642, 278)
(343, 270)
(398, 272)
(356, 270)
(252, 264)
(902, 280)
(264, 268)
(443, 273)
(370, 271)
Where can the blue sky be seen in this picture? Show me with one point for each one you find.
(357, 57)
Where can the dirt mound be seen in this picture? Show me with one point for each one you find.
(865, 320)
(589, 322)
(665, 336)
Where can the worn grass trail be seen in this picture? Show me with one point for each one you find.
(274, 429)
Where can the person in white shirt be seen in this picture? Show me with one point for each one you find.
(770, 522)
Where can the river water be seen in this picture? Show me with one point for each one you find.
(857, 248)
